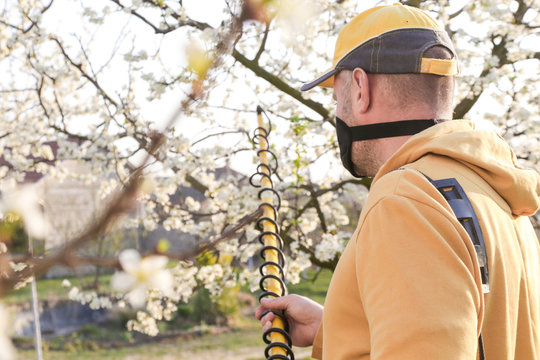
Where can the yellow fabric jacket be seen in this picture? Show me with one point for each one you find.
(408, 285)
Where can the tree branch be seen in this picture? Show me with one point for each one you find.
(74, 260)
(281, 85)
(124, 200)
(239, 131)
(32, 22)
(263, 43)
(181, 22)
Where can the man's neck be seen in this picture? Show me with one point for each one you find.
(386, 147)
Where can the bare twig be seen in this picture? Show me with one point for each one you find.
(263, 43)
(239, 131)
(181, 22)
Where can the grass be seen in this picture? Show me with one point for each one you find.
(238, 344)
(47, 288)
(315, 290)
(242, 341)
(52, 288)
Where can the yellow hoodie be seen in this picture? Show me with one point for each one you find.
(408, 286)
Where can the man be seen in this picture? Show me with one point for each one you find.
(409, 285)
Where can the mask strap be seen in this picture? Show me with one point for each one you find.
(390, 129)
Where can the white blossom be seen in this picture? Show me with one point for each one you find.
(192, 204)
(25, 202)
(92, 299)
(140, 275)
(21, 284)
(251, 278)
(144, 324)
(209, 276)
(329, 247)
(296, 266)
(73, 293)
(184, 282)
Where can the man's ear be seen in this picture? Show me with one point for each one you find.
(360, 90)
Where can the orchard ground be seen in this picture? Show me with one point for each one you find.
(238, 336)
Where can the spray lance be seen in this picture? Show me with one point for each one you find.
(272, 283)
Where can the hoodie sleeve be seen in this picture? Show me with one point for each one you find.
(316, 351)
(418, 282)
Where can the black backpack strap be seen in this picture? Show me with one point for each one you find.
(481, 353)
(462, 208)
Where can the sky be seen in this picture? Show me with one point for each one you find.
(172, 50)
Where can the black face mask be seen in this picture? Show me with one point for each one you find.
(347, 135)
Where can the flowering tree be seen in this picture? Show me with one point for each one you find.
(167, 90)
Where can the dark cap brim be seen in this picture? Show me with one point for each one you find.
(319, 80)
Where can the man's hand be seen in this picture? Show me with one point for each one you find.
(304, 316)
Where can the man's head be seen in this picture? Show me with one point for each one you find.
(391, 63)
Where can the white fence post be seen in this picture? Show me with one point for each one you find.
(35, 308)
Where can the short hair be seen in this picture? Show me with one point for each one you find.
(406, 90)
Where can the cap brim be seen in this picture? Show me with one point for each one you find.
(325, 80)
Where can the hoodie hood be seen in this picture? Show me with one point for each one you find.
(484, 152)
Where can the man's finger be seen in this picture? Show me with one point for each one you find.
(259, 311)
(267, 317)
(280, 303)
(267, 326)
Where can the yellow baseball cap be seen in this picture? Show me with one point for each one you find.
(389, 39)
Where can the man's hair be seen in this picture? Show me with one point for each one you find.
(407, 90)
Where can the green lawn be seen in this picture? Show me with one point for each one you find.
(52, 288)
(241, 341)
(238, 344)
(315, 290)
